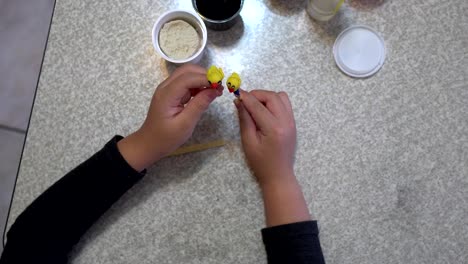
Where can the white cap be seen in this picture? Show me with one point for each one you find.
(359, 51)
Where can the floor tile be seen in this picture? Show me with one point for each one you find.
(24, 26)
(11, 146)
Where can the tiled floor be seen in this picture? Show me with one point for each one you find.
(11, 145)
(24, 25)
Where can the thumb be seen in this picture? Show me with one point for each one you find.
(246, 123)
(199, 104)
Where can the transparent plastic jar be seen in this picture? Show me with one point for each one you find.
(323, 10)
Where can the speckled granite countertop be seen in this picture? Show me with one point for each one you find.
(383, 161)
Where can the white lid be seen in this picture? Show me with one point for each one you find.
(359, 51)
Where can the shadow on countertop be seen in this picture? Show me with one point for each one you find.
(226, 38)
(169, 67)
(286, 7)
(332, 28)
(366, 5)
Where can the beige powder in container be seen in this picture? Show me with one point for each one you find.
(178, 39)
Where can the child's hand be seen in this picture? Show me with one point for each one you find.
(268, 134)
(171, 118)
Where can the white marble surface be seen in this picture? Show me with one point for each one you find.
(383, 161)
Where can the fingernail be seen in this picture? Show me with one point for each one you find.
(237, 103)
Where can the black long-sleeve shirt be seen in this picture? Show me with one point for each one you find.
(49, 228)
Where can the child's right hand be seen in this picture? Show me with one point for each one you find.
(268, 134)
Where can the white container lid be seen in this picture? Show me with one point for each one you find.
(359, 51)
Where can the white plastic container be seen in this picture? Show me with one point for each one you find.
(188, 17)
(323, 10)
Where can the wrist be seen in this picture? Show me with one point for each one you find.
(284, 183)
(137, 151)
(276, 178)
(284, 202)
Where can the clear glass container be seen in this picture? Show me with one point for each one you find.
(323, 10)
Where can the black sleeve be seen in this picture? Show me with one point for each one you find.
(296, 243)
(48, 229)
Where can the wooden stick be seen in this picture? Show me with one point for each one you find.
(198, 147)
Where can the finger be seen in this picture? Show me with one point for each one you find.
(198, 105)
(185, 82)
(194, 91)
(186, 68)
(246, 123)
(271, 100)
(260, 114)
(186, 98)
(287, 103)
(178, 92)
(220, 89)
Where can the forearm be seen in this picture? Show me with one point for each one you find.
(284, 202)
(47, 230)
(296, 243)
(290, 236)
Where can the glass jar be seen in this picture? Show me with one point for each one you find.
(323, 10)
